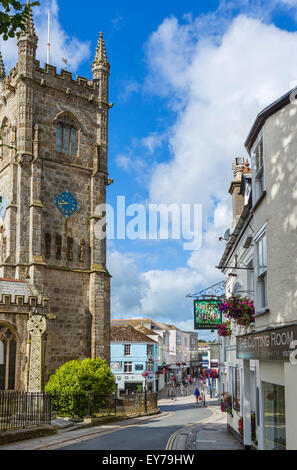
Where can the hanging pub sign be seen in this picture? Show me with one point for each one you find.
(207, 315)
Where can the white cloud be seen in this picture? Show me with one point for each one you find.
(217, 84)
(127, 285)
(153, 141)
(62, 44)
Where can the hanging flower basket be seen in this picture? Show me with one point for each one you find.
(240, 427)
(240, 309)
(213, 375)
(225, 329)
(226, 404)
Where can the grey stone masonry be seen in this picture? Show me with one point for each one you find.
(53, 175)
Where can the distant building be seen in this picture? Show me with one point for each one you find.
(133, 355)
(178, 350)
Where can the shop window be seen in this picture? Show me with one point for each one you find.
(274, 417)
(236, 388)
(7, 358)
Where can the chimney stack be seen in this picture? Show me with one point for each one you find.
(239, 168)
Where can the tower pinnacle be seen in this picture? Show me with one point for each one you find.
(100, 56)
(2, 68)
(30, 30)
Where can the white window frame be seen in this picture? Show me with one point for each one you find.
(260, 271)
(250, 278)
(150, 366)
(128, 367)
(125, 350)
(149, 349)
(258, 174)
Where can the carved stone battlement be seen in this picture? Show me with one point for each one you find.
(22, 301)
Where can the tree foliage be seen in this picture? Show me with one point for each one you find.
(72, 384)
(13, 16)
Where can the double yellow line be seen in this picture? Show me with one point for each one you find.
(174, 435)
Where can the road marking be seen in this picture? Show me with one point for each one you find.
(174, 435)
(95, 434)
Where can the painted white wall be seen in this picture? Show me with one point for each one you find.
(290, 374)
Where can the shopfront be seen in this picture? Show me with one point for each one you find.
(274, 416)
(274, 350)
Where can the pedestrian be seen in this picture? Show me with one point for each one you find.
(197, 394)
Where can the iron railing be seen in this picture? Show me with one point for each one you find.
(24, 409)
(92, 404)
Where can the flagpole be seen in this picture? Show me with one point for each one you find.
(48, 36)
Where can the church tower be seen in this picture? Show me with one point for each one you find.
(53, 175)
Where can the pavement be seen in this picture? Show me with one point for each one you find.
(207, 434)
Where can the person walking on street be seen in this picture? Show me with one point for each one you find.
(197, 394)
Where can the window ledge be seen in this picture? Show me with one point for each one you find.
(262, 310)
(259, 200)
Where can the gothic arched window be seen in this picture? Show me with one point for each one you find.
(7, 358)
(66, 136)
(4, 139)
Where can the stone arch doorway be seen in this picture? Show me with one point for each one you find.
(8, 350)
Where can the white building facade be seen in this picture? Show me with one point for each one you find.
(261, 363)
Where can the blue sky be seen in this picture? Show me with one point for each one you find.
(187, 80)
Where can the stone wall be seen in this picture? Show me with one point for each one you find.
(74, 277)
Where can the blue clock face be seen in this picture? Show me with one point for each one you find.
(66, 204)
(3, 207)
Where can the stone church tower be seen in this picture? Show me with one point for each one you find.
(53, 175)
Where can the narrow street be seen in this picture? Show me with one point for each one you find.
(146, 433)
(151, 435)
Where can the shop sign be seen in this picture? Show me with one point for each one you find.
(206, 314)
(275, 344)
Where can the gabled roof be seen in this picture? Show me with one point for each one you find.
(167, 327)
(126, 333)
(135, 322)
(263, 116)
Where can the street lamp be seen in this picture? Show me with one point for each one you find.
(144, 375)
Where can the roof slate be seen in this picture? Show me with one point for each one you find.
(121, 333)
(16, 287)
